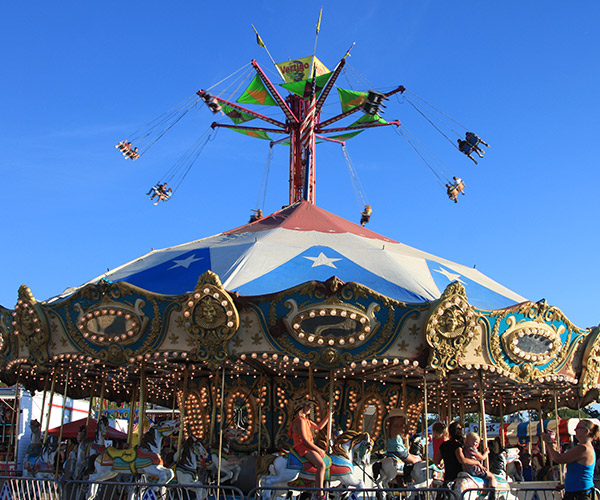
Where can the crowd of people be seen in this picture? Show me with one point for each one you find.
(455, 452)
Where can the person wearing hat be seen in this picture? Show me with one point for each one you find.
(301, 432)
(395, 425)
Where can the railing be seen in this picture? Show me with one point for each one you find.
(22, 488)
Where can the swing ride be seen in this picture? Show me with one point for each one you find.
(298, 303)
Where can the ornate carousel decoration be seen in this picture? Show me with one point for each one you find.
(211, 319)
(534, 341)
(31, 326)
(450, 328)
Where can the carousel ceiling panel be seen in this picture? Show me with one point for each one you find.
(303, 243)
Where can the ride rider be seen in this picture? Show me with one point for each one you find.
(395, 426)
(301, 432)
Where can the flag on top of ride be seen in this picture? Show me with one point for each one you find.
(297, 70)
(236, 115)
(303, 88)
(351, 99)
(257, 93)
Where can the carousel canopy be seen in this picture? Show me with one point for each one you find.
(302, 243)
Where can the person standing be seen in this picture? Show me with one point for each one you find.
(580, 460)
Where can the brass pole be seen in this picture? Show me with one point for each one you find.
(502, 437)
(50, 407)
(260, 405)
(44, 399)
(560, 467)
(330, 411)
(404, 395)
(543, 443)
(62, 421)
(213, 411)
(310, 382)
(425, 429)
(102, 389)
(184, 395)
(222, 421)
(142, 410)
(483, 426)
(131, 415)
(461, 409)
(449, 399)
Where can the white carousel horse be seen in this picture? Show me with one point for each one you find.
(391, 466)
(143, 459)
(193, 455)
(466, 482)
(230, 469)
(44, 466)
(230, 466)
(90, 449)
(351, 448)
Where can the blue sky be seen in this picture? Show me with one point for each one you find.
(80, 76)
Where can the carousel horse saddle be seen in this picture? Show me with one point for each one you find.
(129, 458)
(34, 449)
(397, 462)
(333, 465)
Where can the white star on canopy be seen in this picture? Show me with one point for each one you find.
(322, 260)
(448, 274)
(185, 262)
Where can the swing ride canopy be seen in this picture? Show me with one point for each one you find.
(300, 302)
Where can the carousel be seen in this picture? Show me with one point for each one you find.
(233, 329)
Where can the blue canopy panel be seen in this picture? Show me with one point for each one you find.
(321, 263)
(479, 296)
(174, 276)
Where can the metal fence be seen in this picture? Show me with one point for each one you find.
(20, 488)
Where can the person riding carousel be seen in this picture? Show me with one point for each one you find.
(301, 433)
(395, 427)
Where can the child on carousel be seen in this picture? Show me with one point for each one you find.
(301, 432)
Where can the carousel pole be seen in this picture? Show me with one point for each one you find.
(182, 408)
(260, 405)
(311, 382)
(330, 411)
(89, 413)
(50, 406)
(482, 411)
(213, 412)
(131, 415)
(541, 415)
(44, 399)
(102, 390)
(222, 422)
(461, 409)
(529, 430)
(62, 420)
(449, 400)
(404, 394)
(501, 432)
(560, 467)
(142, 410)
(425, 428)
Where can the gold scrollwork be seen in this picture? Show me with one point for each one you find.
(450, 328)
(210, 318)
(31, 325)
(590, 373)
(544, 342)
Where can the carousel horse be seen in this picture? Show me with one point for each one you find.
(230, 467)
(351, 448)
(391, 466)
(44, 465)
(193, 455)
(89, 449)
(466, 482)
(143, 459)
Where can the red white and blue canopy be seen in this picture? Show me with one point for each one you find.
(300, 243)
